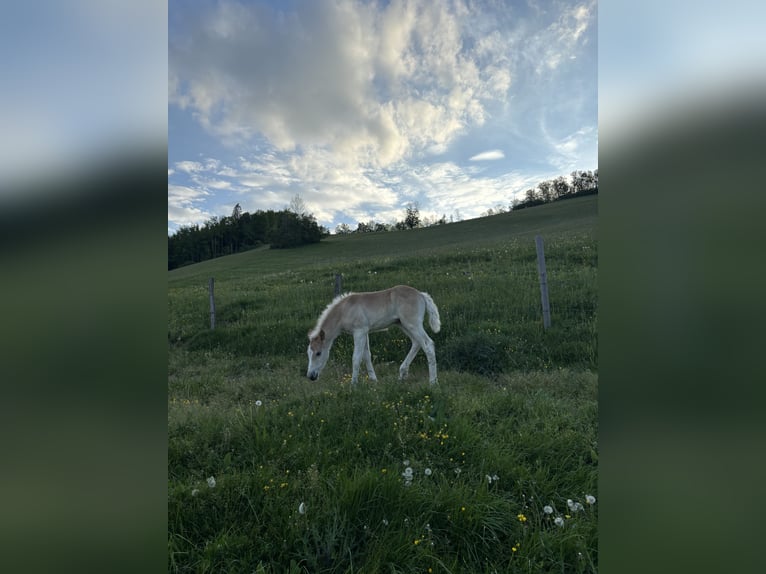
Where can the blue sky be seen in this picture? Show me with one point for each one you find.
(364, 107)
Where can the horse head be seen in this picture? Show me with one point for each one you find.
(318, 352)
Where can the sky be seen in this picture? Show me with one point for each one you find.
(362, 108)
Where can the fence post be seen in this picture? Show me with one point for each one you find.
(338, 284)
(212, 303)
(543, 281)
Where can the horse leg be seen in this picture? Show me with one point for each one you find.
(360, 343)
(368, 359)
(429, 349)
(404, 368)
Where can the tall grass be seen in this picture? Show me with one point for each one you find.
(509, 430)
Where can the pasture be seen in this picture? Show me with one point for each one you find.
(491, 470)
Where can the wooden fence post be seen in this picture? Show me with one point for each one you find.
(338, 284)
(543, 281)
(212, 303)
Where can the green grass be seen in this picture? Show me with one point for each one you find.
(513, 401)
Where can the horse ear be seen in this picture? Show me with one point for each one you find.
(321, 334)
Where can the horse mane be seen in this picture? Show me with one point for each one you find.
(327, 310)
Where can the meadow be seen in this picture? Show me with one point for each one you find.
(492, 470)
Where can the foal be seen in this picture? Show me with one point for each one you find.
(360, 313)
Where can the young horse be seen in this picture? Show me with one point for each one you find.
(360, 313)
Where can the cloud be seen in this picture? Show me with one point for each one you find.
(374, 85)
(182, 209)
(189, 166)
(488, 155)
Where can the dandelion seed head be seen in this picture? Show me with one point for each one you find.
(258, 403)
(558, 521)
(590, 499)
(302, 508)
(547, 509)
(211, 481)
(428, 472)
(195, 491)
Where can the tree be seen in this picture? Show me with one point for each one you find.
(298, 206)
(560, 187)
(546, 190)
(412, 216)
(531, 195)
(342, 229)
(236, 212)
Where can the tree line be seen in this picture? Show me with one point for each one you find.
(579, 183)
(242, 231)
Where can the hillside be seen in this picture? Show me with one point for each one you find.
(568, 216)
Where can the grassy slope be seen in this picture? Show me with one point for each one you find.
(572, 216)
(513, 402)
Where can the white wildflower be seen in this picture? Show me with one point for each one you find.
(302, 508)
(428, 472)
(577, 507)
(547, 509)
(211, 481)
(195, 491)
(258, 403)
(558, 521)
(570, 504)
(590, 499)
(407, 462)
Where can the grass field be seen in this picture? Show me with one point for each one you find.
(270, 472)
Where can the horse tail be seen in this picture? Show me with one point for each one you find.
(433, 313)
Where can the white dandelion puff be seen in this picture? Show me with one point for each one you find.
(570, 504)
(195, 491)
(548, 509)
(558, 521)
(590, 499)
(428, 472)
(302, 508)
(211, 481)
(258, 403)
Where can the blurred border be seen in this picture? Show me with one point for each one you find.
(682, 119)
(83, 236)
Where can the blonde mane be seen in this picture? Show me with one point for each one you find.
(315, 331)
